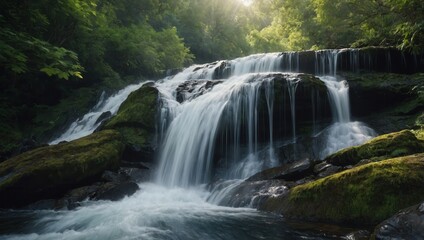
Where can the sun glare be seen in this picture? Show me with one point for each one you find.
(247, 2)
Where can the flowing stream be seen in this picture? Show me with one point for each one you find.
(176, 205)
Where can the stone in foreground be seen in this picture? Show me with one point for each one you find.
(50, 171)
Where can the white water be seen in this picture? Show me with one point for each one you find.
(155, 212)
(342, 133)
(88, 123)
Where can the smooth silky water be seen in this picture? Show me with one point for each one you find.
(177, 204)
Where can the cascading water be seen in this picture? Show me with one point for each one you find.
(90, 121)
(342, 133)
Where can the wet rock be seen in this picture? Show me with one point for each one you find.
(359, 235)
(246, 194)
(289, 172)
(136, 174)
(115, 191)
(194, 88)
(109, 176)
(138, 165)
(406, 224)
(75, 196)
(104, 116)
(325, 169)
(136, 153)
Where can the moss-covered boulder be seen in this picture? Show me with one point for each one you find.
(50, 171)
(136, 121)
(363, 195)
(382, 147)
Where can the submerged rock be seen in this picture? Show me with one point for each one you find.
(50, 171)
(238, 193)
(194, 88)
(382, 147)
(115, 191)
(289, 172)
(104, 116)
(363, 195)
(406, 224)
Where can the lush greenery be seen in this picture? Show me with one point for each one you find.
(363, 195)
(304, 24)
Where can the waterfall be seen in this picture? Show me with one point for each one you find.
(198, 105)
(188, 142)
(269, 96)
(292, 86)
(338, 92)
(342, 133)
(290, 61)
(90, 121)
(256, 63)
(186, 156)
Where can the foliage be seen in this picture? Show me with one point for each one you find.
(311, 24)
(20, 53)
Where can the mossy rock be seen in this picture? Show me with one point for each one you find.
(364, 195)
(50, 171)
(382, 147)
(419, 133)
(136, 119)
(395, 94)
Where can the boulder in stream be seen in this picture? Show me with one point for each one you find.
(49, 172)
(364, 195)
(136, 121)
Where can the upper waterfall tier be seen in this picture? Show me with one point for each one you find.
(322, 62)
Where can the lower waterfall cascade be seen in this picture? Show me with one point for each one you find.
(222, 129)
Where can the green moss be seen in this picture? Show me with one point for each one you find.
(53, 169)
(136, 117)
(363, 195)
(419, 133)
(382, 147)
